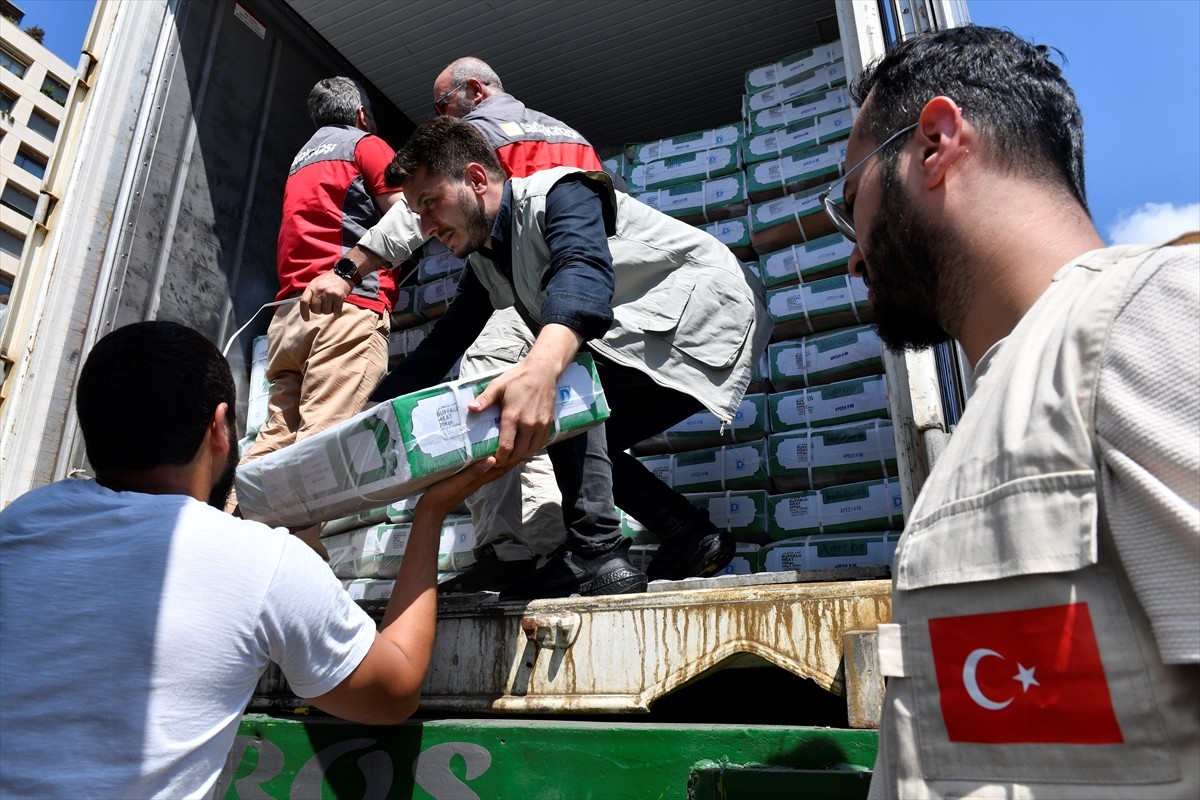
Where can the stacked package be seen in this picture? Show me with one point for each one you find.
(805, 475)
(419, 305)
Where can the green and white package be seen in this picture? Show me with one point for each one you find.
(817, 166)
(797, 137)
(742, 512)
(826, 357)
(812, 458)
(722, 136)
(701, 201)
(802, 84)
(718, 468)
(830, 551)
(704, 429)
(783, 114)
(818, 306)
(863, 506)
(809, 261)
(397, 448)
(831, 404)
(770, 74)
(690, 167)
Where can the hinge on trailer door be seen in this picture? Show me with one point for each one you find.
(551, 631)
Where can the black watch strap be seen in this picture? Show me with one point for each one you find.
(345, 268)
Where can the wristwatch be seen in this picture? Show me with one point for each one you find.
(345, 268)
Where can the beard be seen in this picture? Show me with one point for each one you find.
(476, 226)
(224, 484)
(913, 296)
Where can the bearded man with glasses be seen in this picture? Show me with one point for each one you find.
(1045, 639)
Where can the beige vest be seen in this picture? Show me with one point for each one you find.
(685, 311)
(1009, 524)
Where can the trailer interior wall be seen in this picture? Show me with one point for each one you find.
(163, 201)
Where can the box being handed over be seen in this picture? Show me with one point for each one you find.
(398, 448)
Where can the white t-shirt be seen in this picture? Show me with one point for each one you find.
(133, 630)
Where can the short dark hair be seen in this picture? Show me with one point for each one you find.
(335, 101)
(1007, 87)
(444, 146)
(147, 393)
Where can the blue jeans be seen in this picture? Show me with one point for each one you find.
(594, 471)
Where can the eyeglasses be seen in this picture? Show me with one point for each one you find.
(837, 211)
(439, 105)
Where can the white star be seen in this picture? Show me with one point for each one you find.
(1025, 676)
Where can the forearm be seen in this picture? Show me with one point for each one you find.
(553, 349)
(394, 238)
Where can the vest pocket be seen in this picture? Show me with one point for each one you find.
(699, 312)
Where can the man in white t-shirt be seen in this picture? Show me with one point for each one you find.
(177, 607)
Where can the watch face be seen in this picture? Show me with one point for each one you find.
(345, 268)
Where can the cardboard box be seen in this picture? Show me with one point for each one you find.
(696, 142)
(865, 506)
(813, 458)
(770, 74)
(783, 114)
(742, 512)
(703, 429)
(791, 219)
(736, 466)
(398, 448)
(702, 201)
(819, 166)
(826, 357)
(818, 306)
(438, 262)
(831, 551)
(619, 165)
(820, 258)
(832, 404)
(434, 298)
(819, 79)
(690, 167)
(734, 233)
(797, 137)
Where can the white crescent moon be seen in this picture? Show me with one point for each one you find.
(973, 685)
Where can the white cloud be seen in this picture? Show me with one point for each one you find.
(1154, 223)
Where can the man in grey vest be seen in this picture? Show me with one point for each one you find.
(1045, 639)
(672, 319)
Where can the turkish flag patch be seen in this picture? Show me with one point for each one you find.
(1023, 677)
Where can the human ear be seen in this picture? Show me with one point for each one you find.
(942, 137)
(477, 178)
(218, 432)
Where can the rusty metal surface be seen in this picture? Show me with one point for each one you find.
(619, 654)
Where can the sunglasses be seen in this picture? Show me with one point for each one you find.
(837, 212)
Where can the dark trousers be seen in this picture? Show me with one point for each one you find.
(593, 470)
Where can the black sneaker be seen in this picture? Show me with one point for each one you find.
(566, 573)
(488, 574)
(695, 554)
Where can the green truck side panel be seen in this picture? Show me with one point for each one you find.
(501, 759)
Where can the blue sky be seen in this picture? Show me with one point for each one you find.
(1134, 64)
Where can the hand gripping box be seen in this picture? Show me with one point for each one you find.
(831, 404)
(770, 74)
(704, 429)
(722, 136)
(781, 115)
(814, 458)
(742, 512)
(690, 167)
(820, 258)
(701, 201)
(865, 506)
(825, 357)
(818, 306)
(398, 448)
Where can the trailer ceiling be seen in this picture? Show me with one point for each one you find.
(617, 70)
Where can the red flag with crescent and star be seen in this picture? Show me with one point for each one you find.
(1031, 676)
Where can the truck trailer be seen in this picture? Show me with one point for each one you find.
(163, 200)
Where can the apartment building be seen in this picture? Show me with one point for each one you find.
(33, 91)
